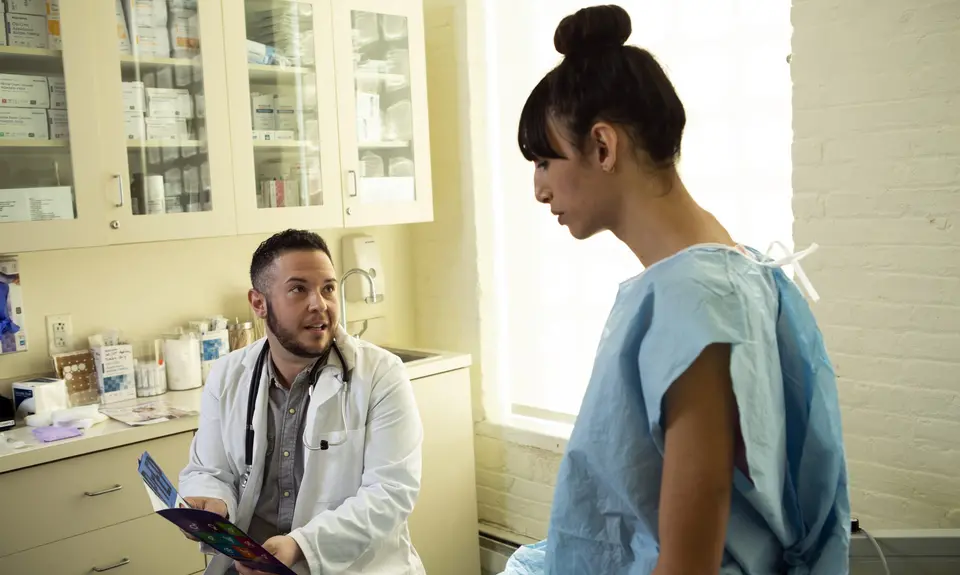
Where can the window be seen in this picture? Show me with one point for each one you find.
(727, 59)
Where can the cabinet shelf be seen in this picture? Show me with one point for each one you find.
(21, 60)
(34, 143)
(129, 62)
(263, 73)
(383, 145)
(276, 144)
(135, 144)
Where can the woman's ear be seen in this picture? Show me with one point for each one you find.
(605, 140)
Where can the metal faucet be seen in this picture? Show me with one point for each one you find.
(374, 297)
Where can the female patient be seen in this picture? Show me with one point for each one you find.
(709, 437)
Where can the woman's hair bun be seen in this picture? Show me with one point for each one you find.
(592, 30)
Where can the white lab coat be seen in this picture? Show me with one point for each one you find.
(352, 508)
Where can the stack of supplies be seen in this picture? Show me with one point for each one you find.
(281, 34)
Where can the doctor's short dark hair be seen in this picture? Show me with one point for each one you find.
(601, 79)
(277, 245)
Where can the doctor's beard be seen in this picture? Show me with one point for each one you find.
(288, 338)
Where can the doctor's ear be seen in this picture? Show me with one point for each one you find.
(258, 302)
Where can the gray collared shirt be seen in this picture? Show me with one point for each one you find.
(283, 468)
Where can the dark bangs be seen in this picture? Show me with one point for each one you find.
(533, 134)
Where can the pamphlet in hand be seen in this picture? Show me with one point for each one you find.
(205, 526)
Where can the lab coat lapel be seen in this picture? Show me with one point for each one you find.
(250, 495)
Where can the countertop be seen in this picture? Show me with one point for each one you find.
(112, 433)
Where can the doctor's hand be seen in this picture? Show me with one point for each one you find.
(212, 504)
(283, 547)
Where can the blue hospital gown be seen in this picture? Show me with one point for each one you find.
(790, 514)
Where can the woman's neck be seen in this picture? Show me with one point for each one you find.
(661, 219)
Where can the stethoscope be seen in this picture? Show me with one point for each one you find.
(314, 373)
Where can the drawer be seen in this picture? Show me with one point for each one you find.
(146, 546)
(57, 500)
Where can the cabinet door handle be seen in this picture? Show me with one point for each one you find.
(353, 181)
(119, 178)
(119, 563)
(116, 487)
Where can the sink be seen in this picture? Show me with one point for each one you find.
(407, 356)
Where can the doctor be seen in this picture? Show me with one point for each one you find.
(336, 434)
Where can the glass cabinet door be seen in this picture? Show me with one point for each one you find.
(284, 115)
(168, 122)
(45, 88)
(382, 93)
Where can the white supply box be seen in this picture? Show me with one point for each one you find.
(134, 126)
(133, 97)
(264, 117)
(19, 91)
(153, 42)
(58, 93)
(184, 28)
(23, 124)
(287, 112)
(54, 41)
(26, 31)
(36, 204)
(123, 36)
(59, 124)
(39, 395)
(169, 129)
(169, 103)
(33, 7)
(148, 13)
(115, 375)
(284, 135)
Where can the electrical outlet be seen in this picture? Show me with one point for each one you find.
(59, 333)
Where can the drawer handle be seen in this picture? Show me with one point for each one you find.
(119, 563)
(117, 487)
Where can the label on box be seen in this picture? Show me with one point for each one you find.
(58, 93)
(54, 41)
(287, 112)
(23, 124)
(26, 31)
(53, 7)
(19, 91)
(281, 135)
(34, 7)
(153, 42)
(263, 112)
(36, 204)
(59, 124)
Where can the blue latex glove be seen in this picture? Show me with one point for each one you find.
(6, 324)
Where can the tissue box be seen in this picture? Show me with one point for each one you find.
(115, 375)
(39, 395)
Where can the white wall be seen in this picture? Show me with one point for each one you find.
(877, 182)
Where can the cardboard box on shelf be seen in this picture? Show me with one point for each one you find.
(26, 31)
(133, 97)
(21, 91)
(264, 116)
(54, 41)
(36, 204)
(169, 129)
(123, 31)
(32, 7)
(23, 124)
(184, 29)
(58, 92)
(58, 124)
(134, 126)
(169, 103)
(153, 42)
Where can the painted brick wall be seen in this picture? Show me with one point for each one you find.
(877, 185)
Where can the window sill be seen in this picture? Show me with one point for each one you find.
(527, 431)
